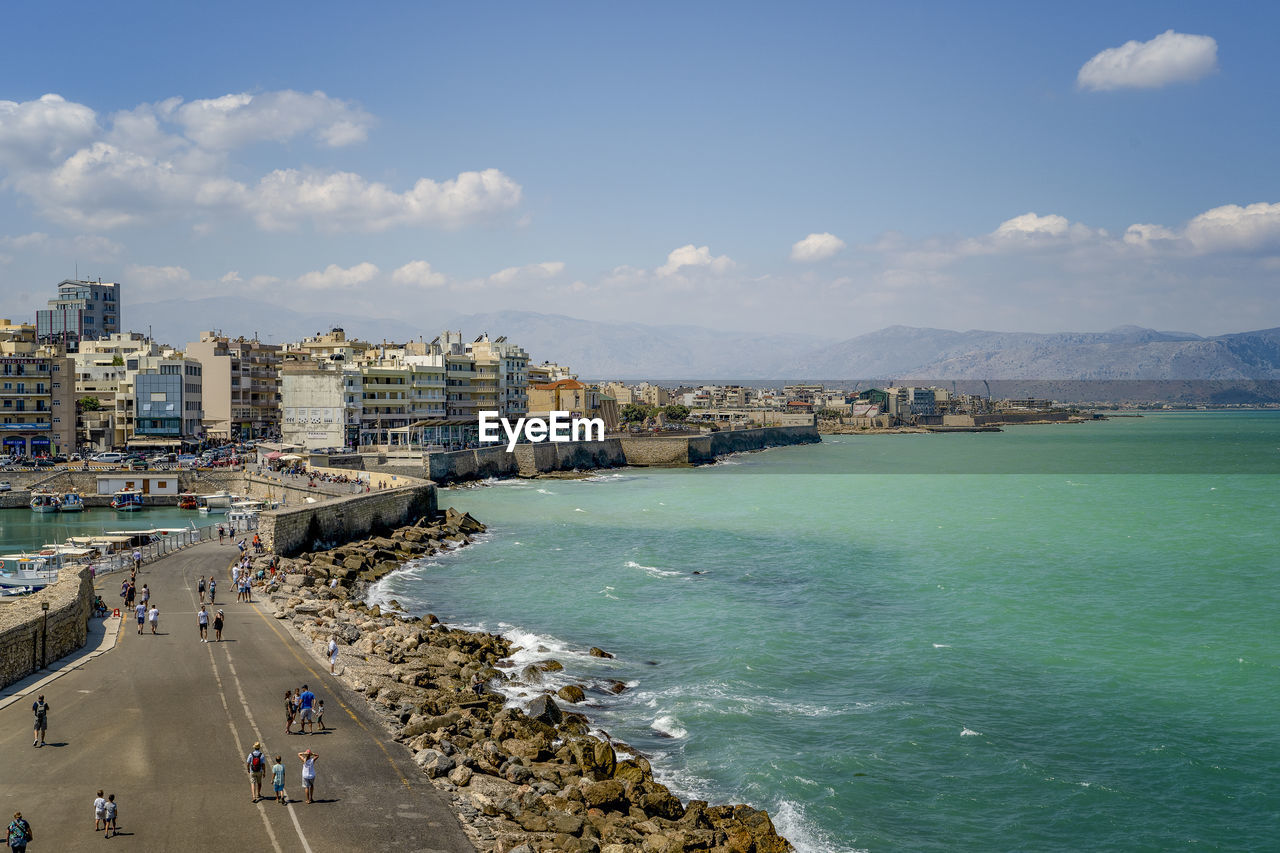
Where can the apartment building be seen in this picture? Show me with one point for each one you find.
(241, 385)
(330, 346)
(82, 311)
(548, 372)
(320, 404)
(37, 394)
(501, 381)
(167, 393)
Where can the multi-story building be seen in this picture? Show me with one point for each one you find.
(82, 311)
(241, 385)
(572, 396)
(167, 393)
(37, 394)
(501, 381)
(320, 404)
(548, 372)
(330, 346)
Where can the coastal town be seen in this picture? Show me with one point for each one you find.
(76, 382)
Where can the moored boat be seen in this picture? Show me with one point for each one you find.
(186, 500)
(217, 502)
(71, 502)
(127, 500)
(43, 501)
(29, 572)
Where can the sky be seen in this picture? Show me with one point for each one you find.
(817, 168)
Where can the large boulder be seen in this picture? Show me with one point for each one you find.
(596, 758)
(545, 709)
(434, 762)
(607, 795)
(571, 693)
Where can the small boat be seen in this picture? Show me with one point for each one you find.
(27, 572)
(216, 502)
(127, 500)
(71, 502)
(245, 512)
(186, 500)
(44, 502)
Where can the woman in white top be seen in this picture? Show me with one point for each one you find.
(333, 653)
(153, 616)
(308, 773)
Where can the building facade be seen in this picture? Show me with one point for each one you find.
(37, 395)
(241, 386)
(82, 311)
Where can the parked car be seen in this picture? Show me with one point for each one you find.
(45, 462)
(5, 486)
(138, 465)
(110, 458)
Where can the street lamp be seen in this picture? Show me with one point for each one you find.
(44, 638)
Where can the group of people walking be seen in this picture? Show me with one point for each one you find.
(256, 764)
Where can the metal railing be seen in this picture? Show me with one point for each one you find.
(163, 546)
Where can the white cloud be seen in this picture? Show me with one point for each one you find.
(90, 247)
(697, 257)
(286, 197)
(418, 274)
(334, 277)
(149, 279)
(816, 247)
(544, 270)
(1168, 58)
(232, 277)
(138, 169)
(1031, 230)
(1235, 228)
(232, 121)
(41, 132)
(1148, 236)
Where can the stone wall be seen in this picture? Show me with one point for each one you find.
(528, 460)
(22, 622)
(295, 529)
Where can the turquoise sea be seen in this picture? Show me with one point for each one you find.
(1054, 656)
(22, 529)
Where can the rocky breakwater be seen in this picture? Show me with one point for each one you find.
(522, 779)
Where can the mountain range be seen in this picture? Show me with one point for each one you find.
(624, 350)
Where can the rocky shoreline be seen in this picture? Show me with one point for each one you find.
(521, 779)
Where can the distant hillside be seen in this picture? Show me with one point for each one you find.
(1125, 353)
(636, 351)
(179, 321)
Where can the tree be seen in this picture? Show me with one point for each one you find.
(117, 361)
(90, 404)
(676, 412)
(634, 413)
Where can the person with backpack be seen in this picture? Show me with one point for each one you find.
(19, 833)
(201, 589)
(256, 763)
(41, 710)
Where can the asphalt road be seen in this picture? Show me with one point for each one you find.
(165, 723)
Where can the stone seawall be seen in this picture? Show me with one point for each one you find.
(23, 631)
(336, 521)
(662, 450)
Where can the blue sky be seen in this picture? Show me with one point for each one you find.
(825, 168)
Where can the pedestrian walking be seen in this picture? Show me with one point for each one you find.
(124, 589)
(222, 534)
(320, 714)
(111, 816)
(290, 711)
(141, 612)
(309, 774)
(217, 626)
(40, 709)
(256, 764)
(202, 619)
(146, 594)
(153, 616)
(333, 652)
(201, 589)
(19, 833)
(137, 559)
(277, 779)
(213, 590)
(100, 812)
(130, 595)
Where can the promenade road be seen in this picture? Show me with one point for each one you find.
(165, 722)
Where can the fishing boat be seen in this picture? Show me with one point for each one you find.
(186, 500)
(71, 502)
(245, 512)
(28, 572)
(217, 502)
(127, 500)
(43, 501)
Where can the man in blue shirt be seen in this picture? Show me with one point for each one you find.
(305, 702)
